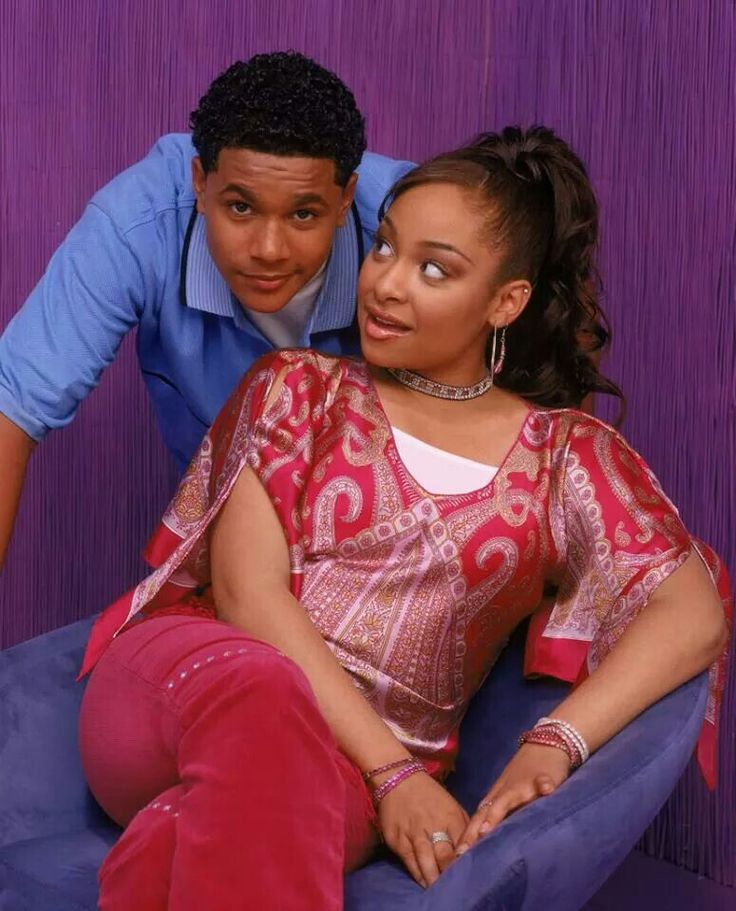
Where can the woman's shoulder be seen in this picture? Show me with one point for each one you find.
(303, 360)
(301, 369)
(569, 431)
(573, 424)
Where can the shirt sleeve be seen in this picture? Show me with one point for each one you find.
(54, 350)
(617, 537)
(376, 175)
(269, 424)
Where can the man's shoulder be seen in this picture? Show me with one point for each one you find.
(159, 182)
(376, 175)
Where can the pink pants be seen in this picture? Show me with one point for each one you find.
(210, 748)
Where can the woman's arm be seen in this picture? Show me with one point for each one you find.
(681, 632)
(250, 578)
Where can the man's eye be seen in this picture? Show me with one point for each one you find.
(382, 247)
(304, 215)
(433, 270)
(240, 208)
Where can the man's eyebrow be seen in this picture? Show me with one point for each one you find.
(240, 190)
(434, 244)
(308, 199)
(305, 199)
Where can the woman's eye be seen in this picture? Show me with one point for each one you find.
(381, 247)
(304, 215)
(432, 270)
(240, 208)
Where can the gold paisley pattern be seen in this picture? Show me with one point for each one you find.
(416, 593)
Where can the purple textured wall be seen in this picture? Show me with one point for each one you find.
(643, 89)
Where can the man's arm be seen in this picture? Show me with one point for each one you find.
(15, 450)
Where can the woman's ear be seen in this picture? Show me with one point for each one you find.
(509, 302)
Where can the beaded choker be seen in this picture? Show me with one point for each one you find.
(441, 390)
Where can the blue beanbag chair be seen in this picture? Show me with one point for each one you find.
(552, 855)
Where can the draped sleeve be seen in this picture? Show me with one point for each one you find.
(617, 537)
(269, 425)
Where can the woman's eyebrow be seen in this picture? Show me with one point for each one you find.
(439, 245)
(433, 244)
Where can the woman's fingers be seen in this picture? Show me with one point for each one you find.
(493, 810)
(405, 850)
(445, 851)
(479, 818)
(424, 851)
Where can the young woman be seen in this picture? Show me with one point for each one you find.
(353, 544)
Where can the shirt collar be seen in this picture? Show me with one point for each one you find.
(205, 289)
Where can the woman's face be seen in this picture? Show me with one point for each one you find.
(427, 296)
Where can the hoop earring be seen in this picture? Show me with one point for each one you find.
(497, 365)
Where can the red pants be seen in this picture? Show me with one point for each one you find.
(210, 748)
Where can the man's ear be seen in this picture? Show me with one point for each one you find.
(199, 179)
(348, 195)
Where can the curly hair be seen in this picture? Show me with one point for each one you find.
(543, 214)
(283, 104)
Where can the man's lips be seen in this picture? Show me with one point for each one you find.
(267, 282)
(380, 325)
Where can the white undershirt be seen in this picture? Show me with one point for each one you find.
(439, 471)
(285, 327)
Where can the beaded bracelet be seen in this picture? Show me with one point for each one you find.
(406, 772)
(554, 732)
(572, 731)
(549, 738)
(385, 768)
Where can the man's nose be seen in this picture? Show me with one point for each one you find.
(268, 242)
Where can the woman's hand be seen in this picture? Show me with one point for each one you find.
(410, 814)
(535, 771)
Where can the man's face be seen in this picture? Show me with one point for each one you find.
(270, 221)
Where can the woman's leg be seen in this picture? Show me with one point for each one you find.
(210, 747)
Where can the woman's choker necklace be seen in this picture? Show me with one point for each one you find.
(441, 390)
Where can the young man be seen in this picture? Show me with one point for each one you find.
(246, 236)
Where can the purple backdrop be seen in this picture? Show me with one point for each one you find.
(643, 89)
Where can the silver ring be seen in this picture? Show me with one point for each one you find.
(438, 837)
(485, 803)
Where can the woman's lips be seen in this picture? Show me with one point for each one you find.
(379, 328)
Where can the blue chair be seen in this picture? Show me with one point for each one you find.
(553, 855)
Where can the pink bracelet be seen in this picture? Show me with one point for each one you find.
(406, 772)
(386, 768)
(552, 738)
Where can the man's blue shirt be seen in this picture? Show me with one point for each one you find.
(139, 256)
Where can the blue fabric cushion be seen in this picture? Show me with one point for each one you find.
(553, 855)
(54, 873)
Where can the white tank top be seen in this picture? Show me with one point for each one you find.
(439, 471)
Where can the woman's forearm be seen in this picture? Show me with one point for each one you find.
(278, 618)
(250, 578)
(679, 634)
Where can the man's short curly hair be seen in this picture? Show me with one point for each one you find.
(283, 104)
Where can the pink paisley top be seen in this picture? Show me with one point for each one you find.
(416, 593)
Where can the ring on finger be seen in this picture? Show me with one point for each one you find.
(484, 804)
(439, 837)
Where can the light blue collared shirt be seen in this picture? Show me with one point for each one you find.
(139, 256)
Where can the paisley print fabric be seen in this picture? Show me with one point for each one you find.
(416, 593)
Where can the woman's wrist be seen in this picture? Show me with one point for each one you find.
(394, 778)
